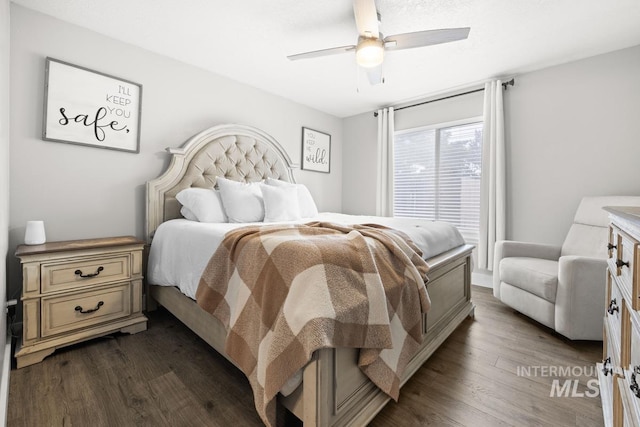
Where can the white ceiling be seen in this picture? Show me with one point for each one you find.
(248, 41)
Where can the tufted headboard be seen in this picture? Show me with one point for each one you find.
(237, 152)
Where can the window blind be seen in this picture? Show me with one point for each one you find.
(437, 176)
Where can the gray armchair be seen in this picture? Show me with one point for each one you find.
(562, 287)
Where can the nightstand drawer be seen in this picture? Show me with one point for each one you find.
(84, 271)
(70, 312)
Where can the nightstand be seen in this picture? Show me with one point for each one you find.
(76, 290)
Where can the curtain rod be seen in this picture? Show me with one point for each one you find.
(504, 86)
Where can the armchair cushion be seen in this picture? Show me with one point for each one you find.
(590, 210)
(508, 248)
(534, 275)
(586, 240)
(588, 234)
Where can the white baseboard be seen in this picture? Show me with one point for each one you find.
(482, 278)
(4, 382)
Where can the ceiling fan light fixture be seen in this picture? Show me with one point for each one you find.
(369, 52)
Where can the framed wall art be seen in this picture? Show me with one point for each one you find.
(316, 150)
(86, 107)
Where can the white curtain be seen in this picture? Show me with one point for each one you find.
(492, 192)
(384, 185)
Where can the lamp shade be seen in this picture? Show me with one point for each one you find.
(34, 233)
(369, 52)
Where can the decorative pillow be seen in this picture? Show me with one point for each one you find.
(306, 203)
(242, 201)
(204, 203)
(280, 203)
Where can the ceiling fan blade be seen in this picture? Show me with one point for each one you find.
(425, 38)
(366, 17)
(322, 52)
(375, 75)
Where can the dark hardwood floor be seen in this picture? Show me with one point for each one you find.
(496, 369)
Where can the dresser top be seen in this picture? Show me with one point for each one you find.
(630, 213)
(77, 245)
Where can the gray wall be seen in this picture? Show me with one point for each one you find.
(360, 155)
(4, 179)
(564, 124)
(83, 192)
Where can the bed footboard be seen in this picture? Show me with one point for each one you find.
(335, 392)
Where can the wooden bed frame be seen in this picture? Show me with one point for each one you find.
(334, 392)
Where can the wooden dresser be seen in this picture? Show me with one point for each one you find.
(77, 290)
(619, 373)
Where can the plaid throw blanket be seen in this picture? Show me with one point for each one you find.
(283, 292)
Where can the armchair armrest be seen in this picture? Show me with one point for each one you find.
(510, 248)
(580, 297)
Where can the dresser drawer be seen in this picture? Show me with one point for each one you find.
(614, 241)
(81, 310)
(613, 313)
(625, 262)
(605, 382)
(85, 271)
(634, 344)
(610, 359)
(629, 389)
(607, 371)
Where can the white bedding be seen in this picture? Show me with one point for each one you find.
(181, 248)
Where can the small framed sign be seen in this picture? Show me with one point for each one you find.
(316, 150)
(86, 107)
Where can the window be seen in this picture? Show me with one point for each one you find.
(437, 174)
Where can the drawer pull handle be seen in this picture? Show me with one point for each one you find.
(634, 384)
(610, 246)
(620, 263)
(605, 370)
(79, 273)
(613, 307)
(91, 310)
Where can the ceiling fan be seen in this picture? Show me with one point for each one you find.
(372, 44)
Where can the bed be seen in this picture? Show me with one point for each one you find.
(331, 389)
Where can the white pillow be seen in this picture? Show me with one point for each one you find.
(186, 212)
(204, 203)
(242, 201)
(306, 204)
(280, 203)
